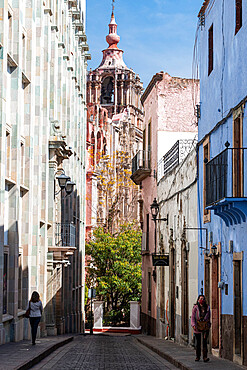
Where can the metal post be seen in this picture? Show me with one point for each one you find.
(155, 236)
(91, 326)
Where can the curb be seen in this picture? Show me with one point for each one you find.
(164, 355)
(41, 356)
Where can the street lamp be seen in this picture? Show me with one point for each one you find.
(62, 180)
(154, 211)
(69, 187)
(213, 251)
(65, 182)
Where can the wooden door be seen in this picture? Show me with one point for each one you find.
(215, 302)
(184, 300)
(237, 158)
(172, 293)
(237, 308)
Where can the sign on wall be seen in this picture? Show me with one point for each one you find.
(160, 259)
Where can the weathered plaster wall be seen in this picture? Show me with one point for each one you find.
(177, 193)
(225, 87)
(169, 108)
(176, 105)
(221, 91)
(227, 82)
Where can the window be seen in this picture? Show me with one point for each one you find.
(5, 283)
(22, 164)
(149, 291)
(6, 216)
(107, 91)
(92, 150)
(210, 50)
(23, 52)
(206, 156)
(7, 157)
(20, 281)
(98, 155)
(238, 16)
(149, 136)
(10, 33)
(237, 153)
(147, 235)
(144, 140)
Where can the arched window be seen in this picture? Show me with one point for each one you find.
(107, 91)
(98, 147)
(105, 118)
(104, 147)
(92, 152)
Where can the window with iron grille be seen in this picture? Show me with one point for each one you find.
(65, 235)
(210, 49)
(239, 17)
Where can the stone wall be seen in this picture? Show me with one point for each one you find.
(42, 134)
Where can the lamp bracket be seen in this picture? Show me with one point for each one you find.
(162, 219)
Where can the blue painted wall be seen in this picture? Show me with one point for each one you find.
(222, 90)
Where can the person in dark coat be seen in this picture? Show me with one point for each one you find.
(200, 321)
(36, 310)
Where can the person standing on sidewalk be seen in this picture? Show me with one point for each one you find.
(200, 321)
(36, 309)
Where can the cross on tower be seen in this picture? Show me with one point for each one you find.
(113, 6)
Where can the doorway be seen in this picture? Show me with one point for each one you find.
(215, 302)
(184, 300)
(237, 291)
(172, 305)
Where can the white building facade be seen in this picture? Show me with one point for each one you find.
(43, 60)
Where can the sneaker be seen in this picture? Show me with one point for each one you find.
(206, 359)
(197, 359)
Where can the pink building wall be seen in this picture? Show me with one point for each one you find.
(169, 108)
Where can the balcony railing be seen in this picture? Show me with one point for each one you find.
(226, 185)
(141, 166)
(65, 235)
(175, 156)
(216, 178)
(225, 175)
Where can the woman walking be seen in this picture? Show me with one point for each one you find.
(36, 309)
(200, 321)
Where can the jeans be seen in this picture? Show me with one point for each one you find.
(34, 322)
(204, 343)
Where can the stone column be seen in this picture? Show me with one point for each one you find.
(98, 314)
(134, 314)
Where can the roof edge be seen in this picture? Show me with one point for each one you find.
(203, 8)
(156, 78)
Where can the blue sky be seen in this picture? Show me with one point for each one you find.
(156, 35)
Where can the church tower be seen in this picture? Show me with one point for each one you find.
(113, 85)
(114, 135)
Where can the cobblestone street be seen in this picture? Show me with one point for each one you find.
(104, 352)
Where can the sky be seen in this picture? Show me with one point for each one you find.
(156, 35)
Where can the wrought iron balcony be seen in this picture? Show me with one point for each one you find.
(175, 156)
(226, 185)
(65, 235)
(141, 166)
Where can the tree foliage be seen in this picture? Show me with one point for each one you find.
(116, 267)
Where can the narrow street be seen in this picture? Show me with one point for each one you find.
(104, 352)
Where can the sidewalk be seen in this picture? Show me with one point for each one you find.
(184, 357)
(22, 355)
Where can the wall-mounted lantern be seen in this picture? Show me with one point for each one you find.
(213, 251)
(154, 211)
(65, 182)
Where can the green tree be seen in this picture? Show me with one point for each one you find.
(115, 267)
